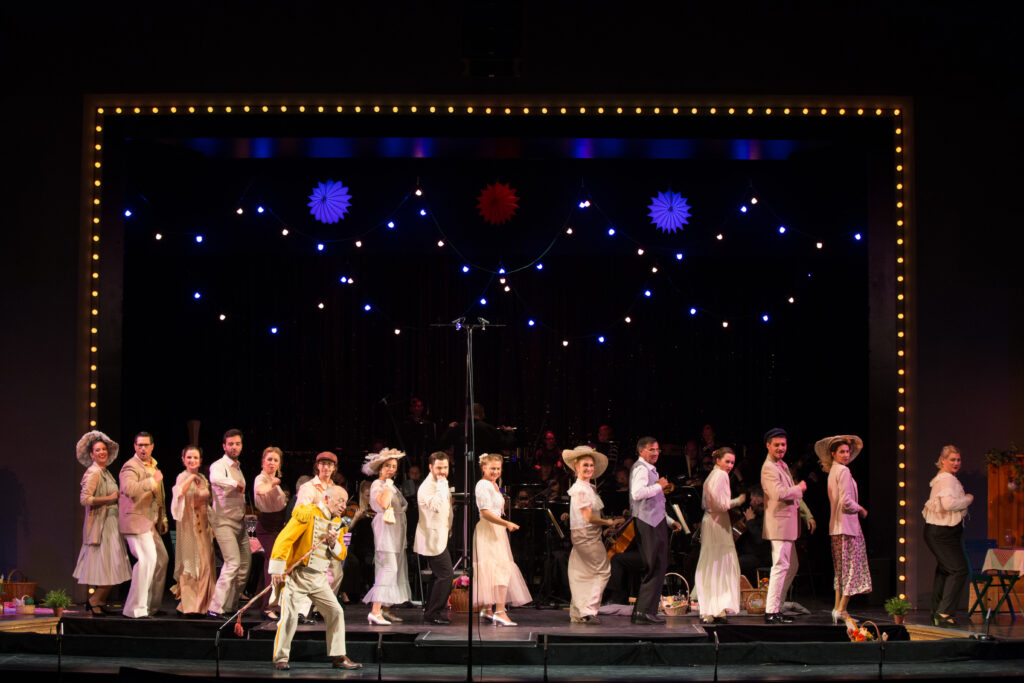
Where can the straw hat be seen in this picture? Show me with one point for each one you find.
(823, 447)
(374, 461)
(600, 459)
(82, 449)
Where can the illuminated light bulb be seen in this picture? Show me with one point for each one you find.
(92, 386)
(96, 201)
(226, 109)
(900, 334)
(791, 300)
(540, 266)
(753, 200)
(94, 330)
(96, 183)
(719, 237)
(137, 110)
(693, 311)
(92, 368)
(562, 110)
(469, 110)
(367, 307)
(507, 288)
(900, 316)
(284, 232)
(782, 229)
(786, 110)
(712, 110)
(899, 241)
(343, 279)
(199, 239)
(531, 322)
(487, 110)
(857, 236)
(611, 231)
(127, 214)
(501, 271)
(483, 301)
(351, 281)
(639, 252)
(433, 109)
(647, 293)
(565, 342)
(901, 371)
(260, 209)
(451, 110)
(440, 243)
(319, 246)
(92, 423)
(639, 110)
(418, 192)
(273, 330)
(693, 110)
(222, 317)
(899, 259)
(679, 256)
(265, 108)
(465, 269)
(903, 503)
(568, 231)
(95, 257)
(97, 164)
(901, 390)
(600, 110)
(394, 110)
(654, 269)
(743, 209)
(764, 317)
(239, 211)
(878, 112)
(731, 110)
(246, 108)
(98, 147)
(507, 110)
(95, 312)
(320, 305)
(618, 110)
(92, 349)
(319, 109)
(657, 110)
(628, 319)
(824, 111)
(359, 244)
(391, 225)
(423, 212)
(600, 339)
(900, 353)
(92, 404)
(899, 186)
(899, 131)
(819, 245)
(398, 331)
(196, 295)
(95, 275)
(842, 112)
(502, 280)
(99, 110)
(358, 109)
(192, 110)
(543, 110)
(725, 323)
(750, 110)
(899, 150)
(903, 558)
(805, 111)
(95, 293)
(902, 522)
(526, 110)
(902, 428)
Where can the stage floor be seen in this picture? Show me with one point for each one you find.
(544, 646)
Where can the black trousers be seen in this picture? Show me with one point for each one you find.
(654, 552)
(946, 544)
(440, 587)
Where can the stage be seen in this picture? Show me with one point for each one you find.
(543, 646)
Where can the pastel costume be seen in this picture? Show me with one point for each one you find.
(782, 514)
(141, 515)
(226, 512)
(717, 581)
(589, 567)
(308, 581)
(433, 527)
(943, 534)
(103, 560)
(849, 555)
(391, 572)
(493, 565)
(269, 522)
(194, 565)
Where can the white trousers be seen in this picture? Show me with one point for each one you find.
(300, 587)
(148, 575)
(302, 604)
(234, 548)
(784, 566)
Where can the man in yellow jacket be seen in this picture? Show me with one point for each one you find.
(312, 525)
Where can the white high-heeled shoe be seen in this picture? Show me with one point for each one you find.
(485, 615)
(502, 621)
(377, 619)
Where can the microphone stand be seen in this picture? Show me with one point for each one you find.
(469, 451)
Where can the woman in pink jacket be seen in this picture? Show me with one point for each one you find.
(849, 556)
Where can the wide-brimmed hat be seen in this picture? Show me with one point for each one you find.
(374, 461)
(823, 447)
(600, 459)
(82, 449)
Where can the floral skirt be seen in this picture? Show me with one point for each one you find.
(850, 560)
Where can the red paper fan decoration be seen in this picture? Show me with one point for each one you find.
(497, 203)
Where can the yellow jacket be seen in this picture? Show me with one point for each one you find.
(308, 523)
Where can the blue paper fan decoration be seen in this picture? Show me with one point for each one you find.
(669, 211)
(329, 202)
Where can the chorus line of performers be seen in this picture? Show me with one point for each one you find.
(306, 547)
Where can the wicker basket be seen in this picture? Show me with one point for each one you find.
(459, 600)
(752, 599)
(673, 608)
(18, 589)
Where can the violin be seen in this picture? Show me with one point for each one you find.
(619, 540)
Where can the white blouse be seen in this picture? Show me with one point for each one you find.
(272, 501)
(583, 495)
(947, 503)
(488, 497)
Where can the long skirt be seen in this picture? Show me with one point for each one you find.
(589, 571)
(391, 579)
(104, 564)
(494, 568)
(850, 561)
(717, 579)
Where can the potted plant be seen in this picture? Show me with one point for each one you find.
(58, 601)
(897, 608)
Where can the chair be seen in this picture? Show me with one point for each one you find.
(975, 550)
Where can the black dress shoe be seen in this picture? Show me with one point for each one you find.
(305, 620)
(640, 618)
(777, 618)
(158, 613)
(440, 620)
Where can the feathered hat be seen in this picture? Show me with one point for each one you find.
(374, 461)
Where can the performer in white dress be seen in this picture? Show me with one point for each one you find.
(497, 581)
(589, 567)
(391, 573)
(718, 568)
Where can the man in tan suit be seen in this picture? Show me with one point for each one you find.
(432, 530)
(782, 512)
(142, 520)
